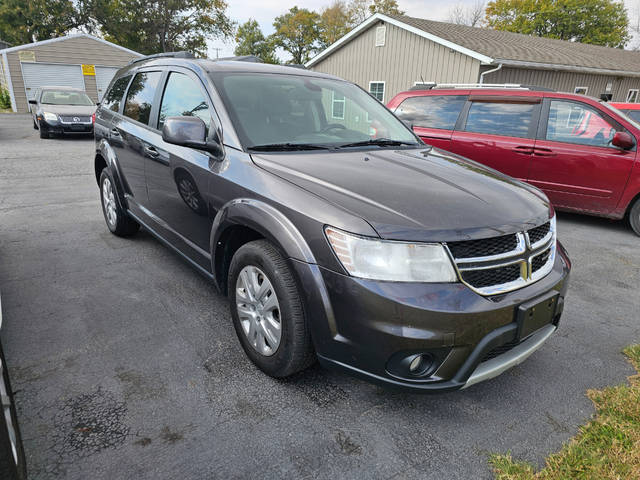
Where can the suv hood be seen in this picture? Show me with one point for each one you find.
(415, 194)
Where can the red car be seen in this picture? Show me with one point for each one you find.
(632, 110)
(580, 151)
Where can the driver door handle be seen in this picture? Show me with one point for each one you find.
(151, 152)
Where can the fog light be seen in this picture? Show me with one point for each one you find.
(416, 363)
(420, 364)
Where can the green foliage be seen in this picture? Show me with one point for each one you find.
(251, 41)
(388, 7)
(5, 99)
(150, 26)
(297, 32)
(335, 21)
(600, 22)
(359, 10)
(24, 21)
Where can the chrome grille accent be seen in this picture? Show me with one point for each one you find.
(75, 118)
(488, 269)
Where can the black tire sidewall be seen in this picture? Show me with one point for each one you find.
(20, 473)
(634, 217)
(280, 363)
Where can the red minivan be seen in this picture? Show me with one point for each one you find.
(580, 151)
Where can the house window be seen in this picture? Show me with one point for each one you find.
(632, 96)
(377, 90)
(337, 106)
(581, 90)
(381, 33)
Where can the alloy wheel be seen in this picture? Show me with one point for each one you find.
(258, 310)
(109, 202)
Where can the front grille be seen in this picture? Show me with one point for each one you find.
(484, 248)
(500, 350)
(492, 276)
(540, 261)
(538, 233)
(72, 118)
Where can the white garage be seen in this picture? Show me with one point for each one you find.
(80, 60)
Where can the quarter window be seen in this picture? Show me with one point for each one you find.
(377, 90)
(573, 122)
(337, 106)
(114, 96)
(632, 95)
(495, 118)
(140, 96)
(432, 111)
(183, 97)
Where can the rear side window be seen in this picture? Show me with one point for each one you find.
(114, 96)
(432, 111)
(183, 97)
(140, 96)
(496, 118)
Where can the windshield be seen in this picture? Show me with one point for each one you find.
(622, 114)
(65, 97)
(290, 112)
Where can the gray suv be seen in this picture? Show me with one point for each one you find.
(334, 231)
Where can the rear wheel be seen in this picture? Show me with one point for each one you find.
(267, 310)
(118, 221)
(634, 216)
(12, 460)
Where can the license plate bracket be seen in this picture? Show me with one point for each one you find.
(536, 313)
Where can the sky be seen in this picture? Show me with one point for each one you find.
(264, 11)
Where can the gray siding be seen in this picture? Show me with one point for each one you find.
(565, 81)
(403, 60)
(75, 50)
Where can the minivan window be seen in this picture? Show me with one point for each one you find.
(272, 109)
(433, 111)
(498, 118)
(140, 96)
(114, 96)
(574, 122)
(183, 97)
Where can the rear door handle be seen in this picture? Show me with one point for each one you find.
(152, 152)
(543, 152)
(523, 149)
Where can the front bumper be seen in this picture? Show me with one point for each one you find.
(360, 326)
(60, 127)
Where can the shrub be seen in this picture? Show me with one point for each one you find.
(5, 99)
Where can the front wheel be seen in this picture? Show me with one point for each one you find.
(267, 310)
(12, 459)
(634, 216)
(116, 217)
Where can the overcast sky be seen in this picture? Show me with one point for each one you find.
(264, 11)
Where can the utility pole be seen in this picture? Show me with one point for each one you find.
(217, 49)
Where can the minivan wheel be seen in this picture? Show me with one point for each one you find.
(634, 216)
(267, 310)
(12, 459)
(118, 221)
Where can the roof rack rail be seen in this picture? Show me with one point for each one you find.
(511, 86)
(181, 54)
(241, 58)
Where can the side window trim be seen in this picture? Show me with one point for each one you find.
(154, 106)
(124, 94)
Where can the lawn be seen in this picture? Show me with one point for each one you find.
(607, 448)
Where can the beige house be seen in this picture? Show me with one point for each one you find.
(388, 54)
(80, 61)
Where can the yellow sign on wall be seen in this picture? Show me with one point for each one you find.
(89, 70)
(27, 56)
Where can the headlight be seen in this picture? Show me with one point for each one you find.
(372, 258)
(50, 117)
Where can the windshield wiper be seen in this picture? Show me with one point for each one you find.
(380, 142)
(283, 147)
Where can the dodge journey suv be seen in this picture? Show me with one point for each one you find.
(580, 151)
(334, 231)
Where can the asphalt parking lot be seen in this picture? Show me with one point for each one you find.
(126, 364)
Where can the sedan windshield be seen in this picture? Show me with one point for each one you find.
(287, 112)
(65, 97)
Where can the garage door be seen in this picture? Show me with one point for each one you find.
(38, 75)
(103, 77)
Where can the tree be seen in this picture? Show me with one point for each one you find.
(335, 22)
(360, 10)
(30, 21)
(388, 7)
(297, 32)
(472, 15)
(151, 26)
(600, 22)
(251, 41)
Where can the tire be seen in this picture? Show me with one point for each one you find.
(35, 125)
(117, 219)
(12, 459)
(44, 133)
(260, 260)
(634, 216)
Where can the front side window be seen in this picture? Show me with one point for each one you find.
(500, 118)
(377, 90)
(432, 111)
(273, 109)
(114, 96)
(632, 95)
(183, 97)
(140, 96)
(573, 122)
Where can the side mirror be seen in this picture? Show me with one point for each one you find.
(623, 140)
(190, 132)
(33, 102)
